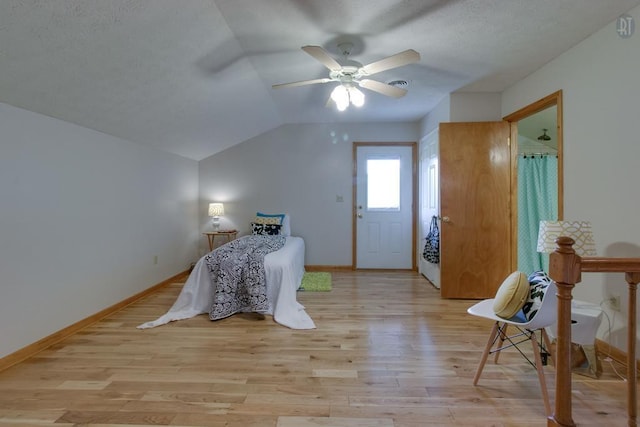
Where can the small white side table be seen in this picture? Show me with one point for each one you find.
(585, 321)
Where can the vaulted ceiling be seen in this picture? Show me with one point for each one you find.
(194, 77)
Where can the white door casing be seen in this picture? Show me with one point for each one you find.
(429, 201)
(384, 236)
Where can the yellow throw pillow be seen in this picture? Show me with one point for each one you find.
(268, 220)
(511, 295)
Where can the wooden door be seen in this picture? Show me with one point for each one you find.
(475, 189)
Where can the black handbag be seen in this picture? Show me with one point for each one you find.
(431, 250)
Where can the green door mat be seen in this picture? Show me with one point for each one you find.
(316, 282)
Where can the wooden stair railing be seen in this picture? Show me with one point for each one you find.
(565, 268)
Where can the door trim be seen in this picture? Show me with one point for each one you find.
(550, 100)
(414, 197)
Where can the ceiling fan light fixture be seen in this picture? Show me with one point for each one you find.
(345, 94)
(340, 96)
(356, 96)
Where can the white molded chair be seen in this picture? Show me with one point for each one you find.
(546, 316)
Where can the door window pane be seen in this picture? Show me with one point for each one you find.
(383, 184)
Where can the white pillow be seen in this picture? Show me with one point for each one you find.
(286, 225)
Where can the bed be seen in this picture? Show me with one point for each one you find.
(283, 271)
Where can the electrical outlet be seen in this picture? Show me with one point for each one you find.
(155, 259)
(614, 302)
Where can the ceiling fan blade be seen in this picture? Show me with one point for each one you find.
(383, 88)
(409, 56)
(302, 83)
(323, 56)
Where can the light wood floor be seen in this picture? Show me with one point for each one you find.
(388, 352)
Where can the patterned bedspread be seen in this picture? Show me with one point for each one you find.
(237, 273)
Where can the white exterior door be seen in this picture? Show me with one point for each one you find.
(384, 206)
(429, 201)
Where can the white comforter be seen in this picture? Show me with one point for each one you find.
(284, 269)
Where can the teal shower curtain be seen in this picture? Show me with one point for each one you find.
(537, 201)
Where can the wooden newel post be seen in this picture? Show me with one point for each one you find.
(564, 269)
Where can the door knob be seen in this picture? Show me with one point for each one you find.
(445, 219)
(359, 215)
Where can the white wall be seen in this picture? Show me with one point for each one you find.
(300, 169)
(601, 91)
(475, 107)
(441, 113)
(83, 214)
(463, 107)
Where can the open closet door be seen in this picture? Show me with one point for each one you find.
(475, 203)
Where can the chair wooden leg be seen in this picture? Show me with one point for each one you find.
(503, 335)
(485, 354)
(543, 384)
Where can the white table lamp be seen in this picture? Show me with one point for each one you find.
(216, 210)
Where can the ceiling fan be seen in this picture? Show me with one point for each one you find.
(350, 74)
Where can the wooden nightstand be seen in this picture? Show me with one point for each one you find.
(211, 236)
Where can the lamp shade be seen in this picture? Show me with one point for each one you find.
(216, 209)
(579, 231)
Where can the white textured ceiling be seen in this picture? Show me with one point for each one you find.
(194, 77)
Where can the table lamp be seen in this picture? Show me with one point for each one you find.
(579, 231)
(216, 210)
